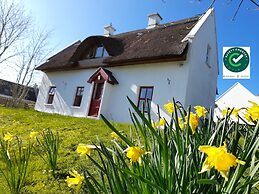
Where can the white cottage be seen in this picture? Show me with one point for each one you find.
(151, 66)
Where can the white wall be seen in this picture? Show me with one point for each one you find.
(202, 79)
(115, 105)
(66, 83)
(131, 77)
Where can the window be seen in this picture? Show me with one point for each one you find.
(79, 95)
(145, 98)
(97, 52)
(100, 52)
(52, 91)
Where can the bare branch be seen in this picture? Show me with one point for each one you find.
(13, 26)
(253, 1)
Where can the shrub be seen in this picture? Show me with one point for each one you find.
(14, 155)
(47, 148)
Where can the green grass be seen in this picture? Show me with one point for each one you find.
(72, 131)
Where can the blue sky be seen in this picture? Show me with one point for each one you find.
(72, 20)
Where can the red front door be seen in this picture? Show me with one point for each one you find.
(96, 99)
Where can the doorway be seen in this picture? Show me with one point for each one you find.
(96, 99)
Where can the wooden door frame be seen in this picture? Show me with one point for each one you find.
(91, 96)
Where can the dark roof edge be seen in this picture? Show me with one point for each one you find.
(125, 63)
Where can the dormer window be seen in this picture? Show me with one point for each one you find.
(97, 52)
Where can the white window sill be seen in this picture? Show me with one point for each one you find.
(48, 104)
(76, 107)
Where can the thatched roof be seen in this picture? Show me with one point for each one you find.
(162, 43)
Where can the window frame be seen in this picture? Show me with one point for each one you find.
(145, 99)
(77, 103)
(51, 94)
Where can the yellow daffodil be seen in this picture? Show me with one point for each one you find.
(8, 137)
(200, 111)
(181, 123)
(193, 121)
(252, 113)
(154, 124)
(169, 107)
(84, 149)
(159, 123)
(219, 158)
(75, 181)
(114, 135)
(134, 153)
(162, 122)
(33, 134)
(234, 112)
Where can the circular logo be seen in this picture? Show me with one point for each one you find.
(236, 59)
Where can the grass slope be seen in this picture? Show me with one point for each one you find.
(72, 131)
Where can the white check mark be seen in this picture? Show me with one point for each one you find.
(238, 58)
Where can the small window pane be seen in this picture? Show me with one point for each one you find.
(147, 105)
(105, 53)
(149, 93)
(78, 97)
(99, 52)
(51, 94)
(143, 92)
(52, 90)
(80, 91)
(140, 105)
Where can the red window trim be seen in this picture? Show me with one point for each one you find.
(142, 87)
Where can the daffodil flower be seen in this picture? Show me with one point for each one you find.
(169, 107)
(159, 123)
(114, 135)
(193, 121)
(162, 122)
(8, 137)
(181, 123)
(219, 158)
(234, 112)
(84, 149)
(75, 181)
(134, 153)
(33, 134)
(252, 113)
(200, 111)
(154, 124)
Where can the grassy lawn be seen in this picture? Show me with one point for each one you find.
(72, 131)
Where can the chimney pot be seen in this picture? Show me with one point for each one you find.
(154, 20)
(109, 30)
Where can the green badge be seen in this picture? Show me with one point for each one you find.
(236, 59)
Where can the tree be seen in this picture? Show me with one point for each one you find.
(32, 55)
(13, 25)
(21, 47)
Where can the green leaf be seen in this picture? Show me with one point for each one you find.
(207, 182)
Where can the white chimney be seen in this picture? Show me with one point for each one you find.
(109, 30)
(153, 20)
